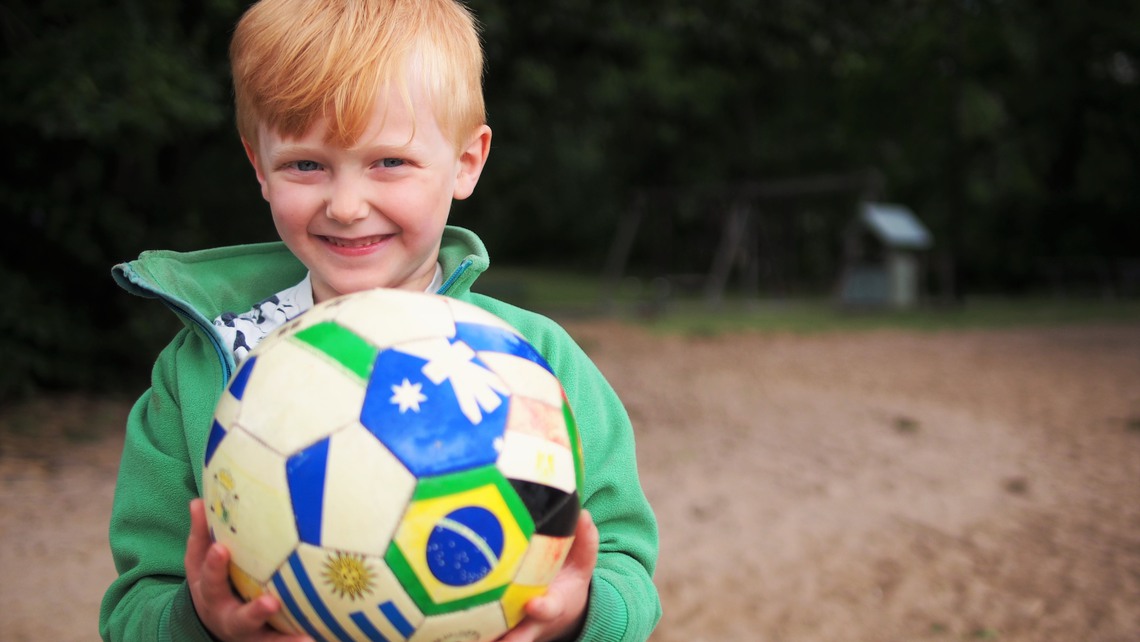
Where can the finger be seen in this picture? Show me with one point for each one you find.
(255, 614)
(215, 576)
(199, 540)
(583, 555)
(526, 631)
(249, 621)
(547, 607)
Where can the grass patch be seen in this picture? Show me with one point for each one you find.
(565, 294)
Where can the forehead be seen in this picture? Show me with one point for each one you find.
(398, 118)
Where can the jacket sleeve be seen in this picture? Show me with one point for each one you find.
(150, 520)
(624, 604)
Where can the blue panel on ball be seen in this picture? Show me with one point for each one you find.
(237, 386)
(367, 628)
(392, 613)
(309, 593)
(465, 546)
(291, 605)
(397, 619)
(305, 472)
(216, 434)
(425, 424)
(485, 338)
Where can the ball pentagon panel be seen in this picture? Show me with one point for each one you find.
(247, 502)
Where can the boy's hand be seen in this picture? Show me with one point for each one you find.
(223, 613)
(561, 612)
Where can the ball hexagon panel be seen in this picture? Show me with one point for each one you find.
(530, 458)
(348, 492)
(304, 391)
(464, 312)
(247, 501)
(333, 595)
(528, 379)
(406, 316)
(543, 560)
(486, 622)
(436, 407)
(491, 339)
(541, 420)
(228, 408)
(461, 540)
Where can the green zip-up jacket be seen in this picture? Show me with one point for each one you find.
(161, 469)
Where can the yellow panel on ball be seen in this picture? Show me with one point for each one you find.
(515, 599)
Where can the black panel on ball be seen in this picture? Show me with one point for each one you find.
(555, 512)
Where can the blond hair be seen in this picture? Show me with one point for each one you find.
(296, 62)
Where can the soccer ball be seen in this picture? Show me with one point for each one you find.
(394, 466)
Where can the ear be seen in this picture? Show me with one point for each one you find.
(471, 160)
(252, 156)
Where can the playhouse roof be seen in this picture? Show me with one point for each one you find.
(896, 226)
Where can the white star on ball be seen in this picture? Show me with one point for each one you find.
(408, 395)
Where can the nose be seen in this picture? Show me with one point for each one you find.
(346, 203)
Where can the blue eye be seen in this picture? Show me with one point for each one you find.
(308, 166)
(392, 162)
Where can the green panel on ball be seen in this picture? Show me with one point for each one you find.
(342, 345)
(575, 445)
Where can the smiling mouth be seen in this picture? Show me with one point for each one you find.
(353, 243)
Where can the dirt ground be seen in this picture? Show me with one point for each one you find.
(872, 487)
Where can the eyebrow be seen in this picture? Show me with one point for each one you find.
(288, 150)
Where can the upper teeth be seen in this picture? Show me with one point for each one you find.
(353, 242)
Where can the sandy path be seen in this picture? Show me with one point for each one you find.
(876, 487)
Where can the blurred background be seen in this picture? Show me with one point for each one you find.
(717, 147)
(865, 274)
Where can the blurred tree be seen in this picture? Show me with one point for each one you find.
(112, 113)
(1007, 125)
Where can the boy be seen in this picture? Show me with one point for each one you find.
(362, 119)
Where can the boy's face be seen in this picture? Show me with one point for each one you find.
(373, 215)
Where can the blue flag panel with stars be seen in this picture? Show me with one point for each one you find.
(436, 417)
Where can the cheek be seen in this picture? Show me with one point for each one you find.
(290, 206)
(419, 209)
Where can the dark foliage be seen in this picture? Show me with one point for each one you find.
(1008, 125)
